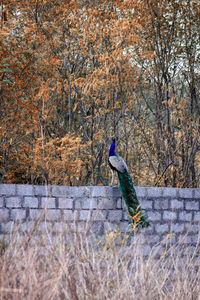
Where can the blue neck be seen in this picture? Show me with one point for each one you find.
(112, 149)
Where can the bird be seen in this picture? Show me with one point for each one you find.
(129, 196)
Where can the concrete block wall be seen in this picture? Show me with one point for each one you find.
(169, 210)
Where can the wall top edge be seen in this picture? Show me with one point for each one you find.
(95, 191)
(91, 186)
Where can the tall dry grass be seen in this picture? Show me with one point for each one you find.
(72, 264)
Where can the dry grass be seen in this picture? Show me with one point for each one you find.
(73, 265)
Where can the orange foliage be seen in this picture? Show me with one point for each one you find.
(75, 73)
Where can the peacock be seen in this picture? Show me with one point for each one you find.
(129, 196)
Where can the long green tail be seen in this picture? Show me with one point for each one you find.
(130, 198)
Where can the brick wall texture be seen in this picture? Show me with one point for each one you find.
(169, 210)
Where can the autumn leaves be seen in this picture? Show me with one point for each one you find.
(73, 74)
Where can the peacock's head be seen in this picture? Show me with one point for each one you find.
(115, 139)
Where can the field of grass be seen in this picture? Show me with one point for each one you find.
(75, 265)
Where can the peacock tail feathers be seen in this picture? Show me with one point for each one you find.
(130, 198)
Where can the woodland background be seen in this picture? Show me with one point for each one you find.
(75, 73)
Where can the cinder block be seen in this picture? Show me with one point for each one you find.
(58, 227)
(79, 227)
(192, 228)
(45, 226)
(184, 239)
(138, 239)
(86, 203)
(98, 191)
(142, 250)
(13, 202)
(125, 216)
(177, 227)
(68, 215)
(161, 228)
(8, 227)
(7, 189)
(161, 204)
(146, 203)
(1, 202)
(62, 227)
(169, 215)
(4, 215)
(177, 204)
(61, 191)
(119, 203)
(152, 239)
(65, 203)
(110, 226)
(124, 226)
(49, 202)
(185, 216)
(196, 194)
(31, 202)
(134, 241)
(83, 215)
(52, 214)
(34, 214)
(197, 216)
(185, 193)
(79, 203)
(153, 215)
(107, 203)
(141, 191)
(192, 205)
(124, 207)
(75, 191)
(195, 239)
(99, 215)
(147, 250)
(113, 192)
(154, 192)
(80, 191)
(24, 190)
(168, 238)
(115, 215)
(70, 191)
(98, 228)
(148, 230)
(42, 190)
(27, 226)
(170, 192)
(18, 214)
